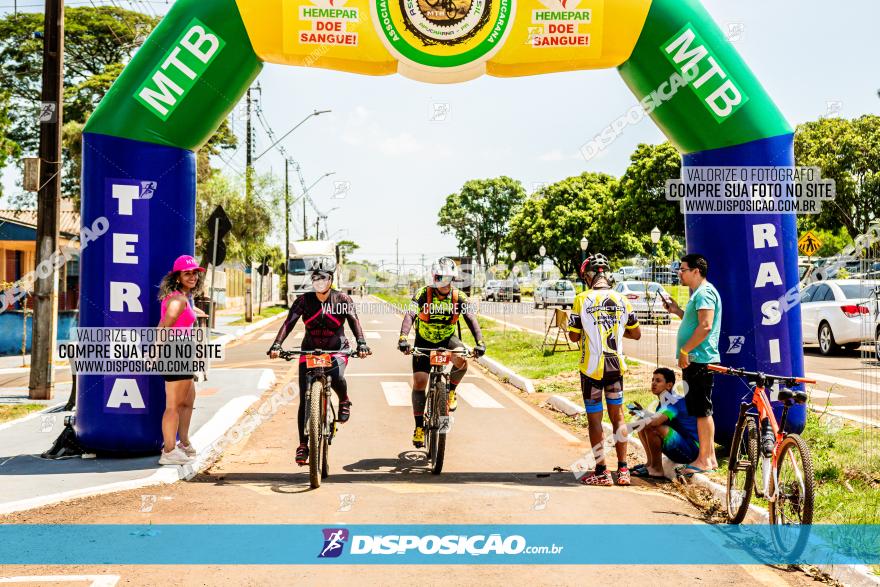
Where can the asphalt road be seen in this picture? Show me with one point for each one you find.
(848, 383)
(499, 469)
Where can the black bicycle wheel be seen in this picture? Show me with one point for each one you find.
(741, 469)
(433, 3)
(327, 417)
(439, 419)
(316, 433)
(791, 513)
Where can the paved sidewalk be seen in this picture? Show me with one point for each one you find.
(29, 481)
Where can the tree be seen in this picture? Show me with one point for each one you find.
(347, 248)
(847, 151)
(643, 187)
(560, 214)
(479, 214)
(98, 42)
(9, 149)
(251, 221)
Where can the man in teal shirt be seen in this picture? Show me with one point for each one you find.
(697, 347)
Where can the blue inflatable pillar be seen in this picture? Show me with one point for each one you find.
(144, 195)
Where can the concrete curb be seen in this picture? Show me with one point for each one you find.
(506, 374)
(565, 405)
(205, 440)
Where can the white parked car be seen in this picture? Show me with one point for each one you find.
(645, 297)
(491, 291)
(628, 273)
(555, 292)
(839, 312)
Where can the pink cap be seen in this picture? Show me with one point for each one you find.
(186, 263)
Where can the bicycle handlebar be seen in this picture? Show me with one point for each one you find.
(288, 355)
(424, 352)
(739, 372)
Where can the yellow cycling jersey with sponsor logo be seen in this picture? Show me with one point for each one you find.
(601, 316)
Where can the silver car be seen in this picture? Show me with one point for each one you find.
(555, 292)
(645, 298)
(490, 294)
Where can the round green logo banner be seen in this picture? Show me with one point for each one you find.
(443, 34)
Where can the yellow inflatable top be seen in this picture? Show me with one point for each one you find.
(444, 41)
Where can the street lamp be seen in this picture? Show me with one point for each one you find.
(655, 238)
(542, 251)
(315, 113)
(584, 244)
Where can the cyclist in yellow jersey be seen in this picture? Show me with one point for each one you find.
(439, 306)
(600, 319)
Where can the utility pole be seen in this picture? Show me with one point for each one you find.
(286, 220)
(42, 377)
(248, 191)
(397, 254)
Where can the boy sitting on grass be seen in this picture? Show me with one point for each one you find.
(671, 431)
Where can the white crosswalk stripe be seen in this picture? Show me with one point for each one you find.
(476, 397)
(399, 394)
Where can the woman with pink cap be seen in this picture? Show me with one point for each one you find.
(175, 292)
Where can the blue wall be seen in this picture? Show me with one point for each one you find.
(10, 330)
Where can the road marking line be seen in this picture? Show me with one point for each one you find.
(372, 334)
(862, 386)
(476, 397)
(869, 421)
(854, 408)
(397, 393)
(267, 336)
(819, 394)
(533, 412)
(96, 580)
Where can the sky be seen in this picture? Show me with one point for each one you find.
(399, 159)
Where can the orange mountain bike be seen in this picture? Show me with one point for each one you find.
(760, 445)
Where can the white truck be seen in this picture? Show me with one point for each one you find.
(302, 253)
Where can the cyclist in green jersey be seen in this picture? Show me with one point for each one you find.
(438, 308)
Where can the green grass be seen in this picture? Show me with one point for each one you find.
(13, 412)
(266, 313)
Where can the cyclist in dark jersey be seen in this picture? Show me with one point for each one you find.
(324, 312)
(439, 307)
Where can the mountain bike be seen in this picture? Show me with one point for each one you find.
(783, 459)
(437, 419)
(321, 415)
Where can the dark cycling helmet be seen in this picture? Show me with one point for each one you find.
(323, 266)
(597, 263)
(443, 269)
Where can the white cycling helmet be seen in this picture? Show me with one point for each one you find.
(444, 270)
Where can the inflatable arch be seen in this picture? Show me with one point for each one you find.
(204, 54)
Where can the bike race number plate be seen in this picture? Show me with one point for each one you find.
(440, 358)
(314, 361)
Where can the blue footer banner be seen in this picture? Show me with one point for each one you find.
(438, 544)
